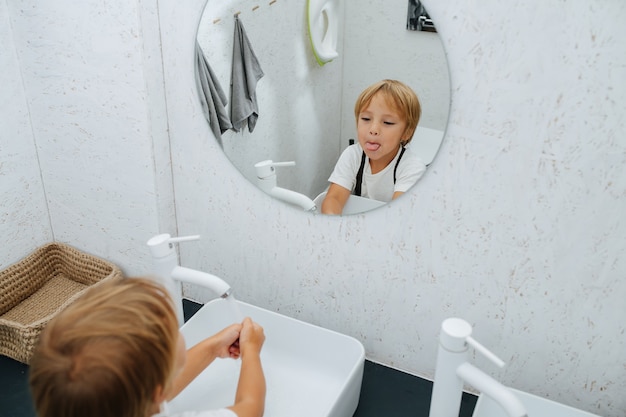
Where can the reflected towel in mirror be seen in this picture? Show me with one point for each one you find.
(246, 72)
(212, 97)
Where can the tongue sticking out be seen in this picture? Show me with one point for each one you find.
(371, 146)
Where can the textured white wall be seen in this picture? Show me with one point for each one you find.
(517, 227)
(24, 218)
(89, 102)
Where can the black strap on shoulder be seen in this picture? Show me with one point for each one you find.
(398, 163)
(359, 176)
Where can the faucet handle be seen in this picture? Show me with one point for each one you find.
(183, 238)
(486, 352)
(265, 168)
(456, 334)
(284, 164)
(162, 245)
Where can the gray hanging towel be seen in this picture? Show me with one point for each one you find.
(212, 97)
(246, 73)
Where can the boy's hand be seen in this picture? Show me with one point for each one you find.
(251, 337)
(226, 342)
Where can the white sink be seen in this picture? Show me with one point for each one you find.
(535, 407)
(310, 371)
(354, 205)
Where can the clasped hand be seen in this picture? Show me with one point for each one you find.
(236, 339)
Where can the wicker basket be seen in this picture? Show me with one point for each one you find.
(38, 287)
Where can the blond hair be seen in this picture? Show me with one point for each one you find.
(107, 353)
(398, 94)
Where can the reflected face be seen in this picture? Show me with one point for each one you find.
(380, 129)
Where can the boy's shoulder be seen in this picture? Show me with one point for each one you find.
(412, 156)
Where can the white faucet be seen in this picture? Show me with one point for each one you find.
(171, 275)
(266, 179)
(453, 370)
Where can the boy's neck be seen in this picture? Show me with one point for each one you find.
(380, 164)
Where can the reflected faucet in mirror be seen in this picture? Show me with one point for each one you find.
(266, 177)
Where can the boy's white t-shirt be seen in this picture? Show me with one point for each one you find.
(377, 186)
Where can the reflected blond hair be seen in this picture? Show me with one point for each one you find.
(398, 95)
(107, 353)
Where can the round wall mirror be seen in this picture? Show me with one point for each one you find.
(305, 97)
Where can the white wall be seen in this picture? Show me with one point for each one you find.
(98, 126)
(517, 226)
(24, 222)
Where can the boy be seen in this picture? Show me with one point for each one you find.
(379, 166)
(117, 352)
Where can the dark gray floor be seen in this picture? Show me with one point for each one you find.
(385, 391)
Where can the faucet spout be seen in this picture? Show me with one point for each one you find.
(293, 197)
(494, 389)
(171, 275)
(266, 176)
(203, 279)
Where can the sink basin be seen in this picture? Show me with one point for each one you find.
(535, 406)
(354, 205)
(310, 371)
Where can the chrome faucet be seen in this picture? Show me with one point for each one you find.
(266, 179)
(453, 370)
(171, 275)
